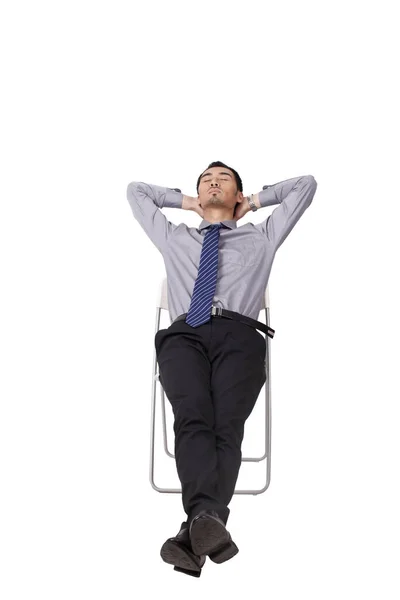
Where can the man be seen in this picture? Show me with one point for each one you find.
(212, 357)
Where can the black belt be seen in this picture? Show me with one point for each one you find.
(230, 314)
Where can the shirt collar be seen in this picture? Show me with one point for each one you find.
(230, 224)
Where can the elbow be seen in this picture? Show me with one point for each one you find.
(134, 188)
(130, 187)
(312, 187)
(312, 182)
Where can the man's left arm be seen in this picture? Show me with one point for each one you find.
(294, 196)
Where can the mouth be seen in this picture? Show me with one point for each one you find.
(210, 191)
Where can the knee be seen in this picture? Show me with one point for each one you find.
(193, 417)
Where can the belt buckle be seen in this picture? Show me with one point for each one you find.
(216, 311)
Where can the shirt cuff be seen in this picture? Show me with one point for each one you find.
(173, 198)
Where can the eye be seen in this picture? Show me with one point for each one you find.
(222, 178)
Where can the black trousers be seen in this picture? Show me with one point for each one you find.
(212, 376)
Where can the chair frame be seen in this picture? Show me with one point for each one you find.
(162, 304)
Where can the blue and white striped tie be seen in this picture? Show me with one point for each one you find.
(206, 281)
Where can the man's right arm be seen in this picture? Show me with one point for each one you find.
(146, 201)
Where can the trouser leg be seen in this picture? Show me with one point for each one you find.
(237, 355)
(185, 374)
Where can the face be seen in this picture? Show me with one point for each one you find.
(218, 188)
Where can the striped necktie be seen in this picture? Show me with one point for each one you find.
(206, 281)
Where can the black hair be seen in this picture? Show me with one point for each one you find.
(221, 164)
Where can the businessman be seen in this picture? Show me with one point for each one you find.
(212, 357)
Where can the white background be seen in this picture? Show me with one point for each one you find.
(98, 94)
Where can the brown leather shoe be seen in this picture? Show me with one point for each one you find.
(177, 551)
(209, 536)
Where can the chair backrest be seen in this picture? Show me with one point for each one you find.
(162, 301)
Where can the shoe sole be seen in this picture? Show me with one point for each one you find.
(224, 553)
(210, 537)
(175, 554)
(187, 571)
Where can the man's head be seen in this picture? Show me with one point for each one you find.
(220, 189)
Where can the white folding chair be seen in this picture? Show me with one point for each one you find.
(162, 304)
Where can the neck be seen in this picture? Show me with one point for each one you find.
(215, 217)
